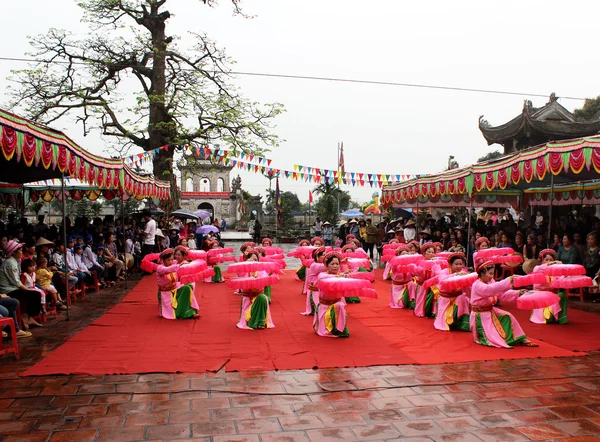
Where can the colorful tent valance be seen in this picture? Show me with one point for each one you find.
(569, 156)
(37, 146)
(505, 198)
(564, 195)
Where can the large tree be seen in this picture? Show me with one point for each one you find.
(327, 204)
(181, 97)
(490, 156)
(589, 110)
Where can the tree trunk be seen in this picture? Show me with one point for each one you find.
(161, 127)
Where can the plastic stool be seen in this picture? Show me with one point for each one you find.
(15, 347)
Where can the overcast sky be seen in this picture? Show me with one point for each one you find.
(532, 47)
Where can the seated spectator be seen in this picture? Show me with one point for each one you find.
(8, 309)
(44, 282)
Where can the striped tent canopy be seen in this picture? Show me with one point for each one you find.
(580, 193)
(33, 152)
(567, 161)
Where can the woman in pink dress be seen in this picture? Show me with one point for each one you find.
(453, 307)
(175, 300)
(387, 271)
(426, 294)
(556, 313)
(312, 274)
(402, 293)
(492, 326)
(331, 317)
(255, 312)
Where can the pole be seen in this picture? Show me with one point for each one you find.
(124, 240)
(417, 218)
(64, 240)
(550, 211)
(469, 231)
(338, 180)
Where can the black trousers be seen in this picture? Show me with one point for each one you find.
(147, 249)
(369, 247)
(31, 301)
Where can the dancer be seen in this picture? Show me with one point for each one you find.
(557, 313)
(402, 292)
(175, 300)
(426, 293)
(255, 312)
(312, 274)
(331, 317)
(492, 326)
(301, 272)
(453, 306)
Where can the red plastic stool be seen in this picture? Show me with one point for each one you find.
(15, 347)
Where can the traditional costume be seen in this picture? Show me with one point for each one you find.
(452, 304)
(312, 275)
(402, 293)
(426, 293)
(175, 300)
(556, 313)
(331, 317)
(492, 326)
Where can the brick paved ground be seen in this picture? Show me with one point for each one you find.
(543, 399)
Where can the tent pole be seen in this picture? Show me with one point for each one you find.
(469, 228)
(64, 240)
(124, 240)
(550, 211)
(417, 217)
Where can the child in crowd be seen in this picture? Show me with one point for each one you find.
(191, 242)
(101, 262)
(44, 281)
(28, 279)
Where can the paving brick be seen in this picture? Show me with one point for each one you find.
(287, 436)
(459, 424)
(419, 428)
(213, 428)
(14, 427)
(188, 416)
(155, 418)
(101, 421)
(541, 432)
(120, 434)
(170, 431)
(579, 427)
(493, 420)
(331, 435)
(427, 399)
(31, 437)
(306, 422)
(255, 426)
(237, 438)
(375, 432)
(74, 436)
(575, 411)
(418, 413)
(341, 419)
(501, 434)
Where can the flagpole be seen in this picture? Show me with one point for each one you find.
(338, 182)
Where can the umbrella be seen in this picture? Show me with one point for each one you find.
(207, 229)
(182, 213)
(352, 213)
(404, 213)
(203, 214)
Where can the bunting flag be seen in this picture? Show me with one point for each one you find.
(257, 164)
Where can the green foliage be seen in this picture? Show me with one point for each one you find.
(36, 207)
(490, 156)
(129, 81)
(130, 206)
(589, 110)
(327, 204)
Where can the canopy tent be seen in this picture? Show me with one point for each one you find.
(499, 198)
(580, 193)
(550, 163)
(32, 152)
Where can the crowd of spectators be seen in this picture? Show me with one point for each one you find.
(37, 267)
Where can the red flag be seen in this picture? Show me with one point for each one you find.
(310, 197)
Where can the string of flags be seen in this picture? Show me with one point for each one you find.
(258, 164)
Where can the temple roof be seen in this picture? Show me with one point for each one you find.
(533, 126)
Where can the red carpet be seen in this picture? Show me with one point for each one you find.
(131, 338)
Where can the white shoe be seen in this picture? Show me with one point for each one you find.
(23, 334)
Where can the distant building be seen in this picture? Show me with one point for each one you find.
(206, 185)
(534, 126)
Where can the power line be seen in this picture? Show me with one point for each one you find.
(332, 79)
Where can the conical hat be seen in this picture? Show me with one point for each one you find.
(529, 265)
(43, 242)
